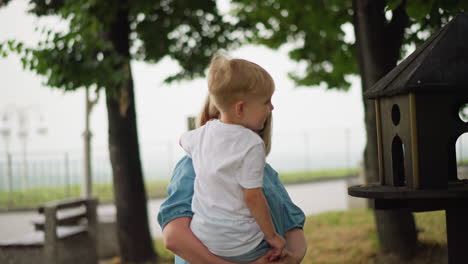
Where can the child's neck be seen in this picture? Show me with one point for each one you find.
(229, 119)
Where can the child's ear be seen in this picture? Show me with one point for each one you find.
(239, 108)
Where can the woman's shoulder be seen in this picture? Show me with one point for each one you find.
(270, 172)
(184, 167)
(185, 161)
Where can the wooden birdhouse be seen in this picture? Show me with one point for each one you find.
(417, 107)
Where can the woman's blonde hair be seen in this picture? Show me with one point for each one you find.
(209, 111)
(229, 80)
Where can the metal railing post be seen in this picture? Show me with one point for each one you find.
(9, 177)
(67, 174)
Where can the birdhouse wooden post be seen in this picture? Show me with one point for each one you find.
(417, 121)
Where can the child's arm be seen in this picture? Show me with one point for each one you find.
(258, 207)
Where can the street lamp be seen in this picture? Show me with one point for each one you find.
(23, 116)
(5, 131)
(41, 127)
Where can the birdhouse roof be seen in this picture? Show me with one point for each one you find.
(439, 64)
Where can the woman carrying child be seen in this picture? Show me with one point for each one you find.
(240, 211)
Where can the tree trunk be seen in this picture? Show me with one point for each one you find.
(130, 196)
(378, 47)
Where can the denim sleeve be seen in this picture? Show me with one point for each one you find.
(294, 216)
(180, 193)
(289, 214)
(179, 260)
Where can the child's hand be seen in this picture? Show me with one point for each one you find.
(287, 258)
(277, 243)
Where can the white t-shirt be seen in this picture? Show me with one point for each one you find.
(225, 157)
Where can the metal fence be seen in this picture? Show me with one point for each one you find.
(29, 179)
(26, 180)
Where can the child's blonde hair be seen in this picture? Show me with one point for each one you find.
(209, 111)
(230, 80)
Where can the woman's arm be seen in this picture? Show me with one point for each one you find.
(296, 244)
(295, 249)
(175, 214)
(179, 239)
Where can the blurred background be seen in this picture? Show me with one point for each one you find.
(54, 142)
(42, 128)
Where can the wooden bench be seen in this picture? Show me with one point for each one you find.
(67, 233)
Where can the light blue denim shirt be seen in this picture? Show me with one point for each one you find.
(284, 213)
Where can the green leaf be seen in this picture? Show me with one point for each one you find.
(418, 9)
(11, 44)
(392, 4)
(24, 62)
(19, 47)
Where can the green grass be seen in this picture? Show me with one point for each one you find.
(350, 237)
(307, 176)
(31, 198)
(34, 197)
(164, 255)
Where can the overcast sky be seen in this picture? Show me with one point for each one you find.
(161, 109)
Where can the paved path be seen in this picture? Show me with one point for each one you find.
(311, 197)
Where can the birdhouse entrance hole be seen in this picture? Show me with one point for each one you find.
(398, 162)
(395, 114)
